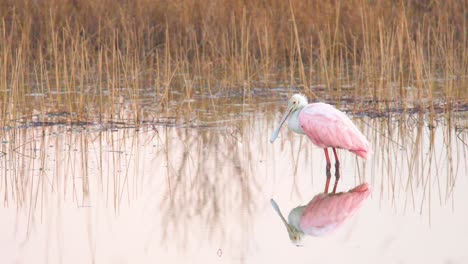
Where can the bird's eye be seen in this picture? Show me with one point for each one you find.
(294, 102)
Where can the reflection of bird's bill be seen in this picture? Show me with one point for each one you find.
(276, 207)
(291, 230)
(276, 132)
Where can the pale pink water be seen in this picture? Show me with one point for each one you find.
(201, 195)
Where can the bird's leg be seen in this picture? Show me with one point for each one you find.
(337, 170)
(328, 170)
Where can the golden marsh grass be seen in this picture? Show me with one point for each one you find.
(91, 59)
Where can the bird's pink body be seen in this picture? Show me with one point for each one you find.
(326, 212)
(328, 127)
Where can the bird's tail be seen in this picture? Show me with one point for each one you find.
(363, 153)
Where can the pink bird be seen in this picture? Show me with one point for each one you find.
(324, 214)
(327, 127)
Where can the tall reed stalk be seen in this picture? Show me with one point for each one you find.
(99, 60)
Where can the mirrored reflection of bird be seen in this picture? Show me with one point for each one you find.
(326, 127)
(324, 213)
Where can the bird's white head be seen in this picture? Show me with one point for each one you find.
(295, 235)
(297, 102)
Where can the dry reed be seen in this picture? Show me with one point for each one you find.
(99, 60)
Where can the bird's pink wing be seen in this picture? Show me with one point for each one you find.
(328, 127)
(332, 210)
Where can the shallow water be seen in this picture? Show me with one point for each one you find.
(200, 193)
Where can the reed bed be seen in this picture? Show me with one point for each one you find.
(127, 61)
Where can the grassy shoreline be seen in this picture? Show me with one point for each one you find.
(89, 56)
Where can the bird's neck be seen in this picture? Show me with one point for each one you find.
(294, 217)
(293, 122)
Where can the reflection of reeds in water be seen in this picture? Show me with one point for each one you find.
(91, 58)
(208, 181)
(193, 179)
(214, 178)
(419, 159)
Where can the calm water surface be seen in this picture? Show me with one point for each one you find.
(199, 192)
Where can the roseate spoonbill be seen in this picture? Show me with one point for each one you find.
(324, 214)
(326, 127)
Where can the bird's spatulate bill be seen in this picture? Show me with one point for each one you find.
(276, 132)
